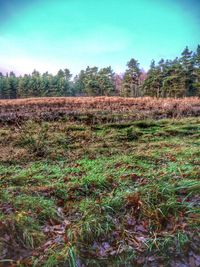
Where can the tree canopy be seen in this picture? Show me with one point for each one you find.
(179, 77)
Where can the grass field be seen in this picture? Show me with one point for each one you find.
(100, 193)
(97, 109)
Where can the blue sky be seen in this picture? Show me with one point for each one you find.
(51, 34)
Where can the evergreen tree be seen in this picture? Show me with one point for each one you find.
(78, 85)
(95, 82)
(67, 74)
(152, 85)
(196, 83)
(130, 83)
(169, 78)
(173, 85)
(106, 81)
(188, 75)
(13, 84)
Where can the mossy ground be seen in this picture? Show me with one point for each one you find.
(120, 194)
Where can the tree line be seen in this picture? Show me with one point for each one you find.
(168, 78)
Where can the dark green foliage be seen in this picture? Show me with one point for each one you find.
(168, 78)
(131, 80)
(174, 78)
(35, 85)
(94, 82)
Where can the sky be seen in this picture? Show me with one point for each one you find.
(49, 35)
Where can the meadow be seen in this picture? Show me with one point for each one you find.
(99, 181)
(97, 109)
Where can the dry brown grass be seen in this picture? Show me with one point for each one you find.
(58, 107)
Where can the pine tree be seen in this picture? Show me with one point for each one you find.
(13, 84)
(152, 85)
(196, 83)
(130, 83)
(106, 81)
(173, 85)
(188, 75)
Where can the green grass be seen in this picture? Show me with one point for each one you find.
(100, 195)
